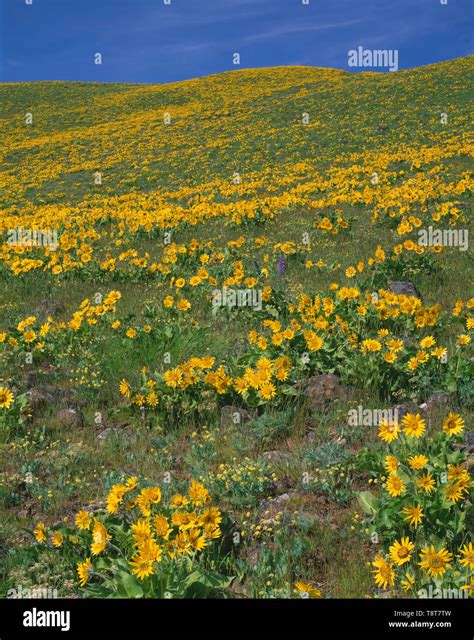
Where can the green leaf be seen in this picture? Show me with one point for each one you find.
(199, 584)
(368, 502)
(403, 476)
(272, 311)
(451, 383)
(131, 585)
(291, 391)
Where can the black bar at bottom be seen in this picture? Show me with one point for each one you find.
(449, 618)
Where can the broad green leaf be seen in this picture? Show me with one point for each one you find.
(131, 585)
(368, 502)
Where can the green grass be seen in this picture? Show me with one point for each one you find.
(248, 122)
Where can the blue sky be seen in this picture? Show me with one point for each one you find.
(148, 41)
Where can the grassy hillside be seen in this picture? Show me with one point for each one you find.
(306, 186)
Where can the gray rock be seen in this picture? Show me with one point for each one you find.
(467, 445)
(470, 463)
(233, 417)
(114, 432)
(41, 397)
(106, 433)
(407, 407)
(70, 417)
(49, 307)
(435, 403)
(269, 508)
(276, 456)
(437, 399)
(323, 389)
(239, 589)
(401, 288)
(39, 375)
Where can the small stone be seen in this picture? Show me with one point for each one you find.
(40, 397)
(401, 410)
(275, 456)
(121, 432)
(49, 307)
(239, 589)
(269, 508)
(234, 417)
(468, 444)
(401, 288)
(323, 389)
(106, 433)
(437, 399)
(71, 417)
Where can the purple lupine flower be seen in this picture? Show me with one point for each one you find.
(281, 266)
(256, 267)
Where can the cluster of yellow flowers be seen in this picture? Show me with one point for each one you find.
(317, 324)
(201, 370)
(259, 378)
(183, 527)
(30, 333)
(321, 314)
(434, 561)
(414, 427)
(426, 491)
(189, 372)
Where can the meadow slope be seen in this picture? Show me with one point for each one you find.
(304, 192)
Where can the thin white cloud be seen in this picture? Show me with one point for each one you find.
(278, 32)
